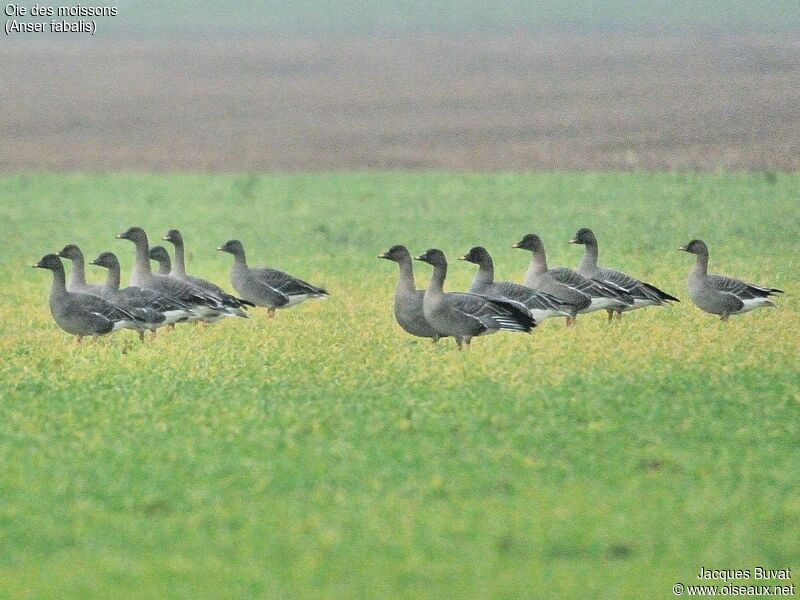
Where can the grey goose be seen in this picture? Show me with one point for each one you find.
(77, 277)
(719, 294)
(82, 314)
(204, 305)
(161, 256)
(644, 294)
(464, 315)
(539, 305)
(267, 287)
(154, 309)
(174, 237)
(540, 277)
(408, 299)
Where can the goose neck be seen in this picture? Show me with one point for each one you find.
(537, 266)
(405, 283)
(112, 279)
(589, 260)
(436, 284)
(59, 287)
(77, 277)
(179, 266)
(700, 264)
(485, 274)
(141, 269)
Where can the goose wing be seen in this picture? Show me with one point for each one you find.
(638, 289)
(492, 313)
(739, 288)
(144, 298)
(590, 287)
(286, 284)
(531, 299)
(181, 291)
(95, 305)
(224, 297)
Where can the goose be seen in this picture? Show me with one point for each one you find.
(407, 298)
(77, 277)
(178, 270)
(464, 315)
(539, 305)
(153, 308)
(82, 314)
(540, 277)
(721, 295)
(644, 294)
(266, 287)
(205, 306)
(161, 256)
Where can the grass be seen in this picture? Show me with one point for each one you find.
(327, 455)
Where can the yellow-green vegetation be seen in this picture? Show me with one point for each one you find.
(326, 454)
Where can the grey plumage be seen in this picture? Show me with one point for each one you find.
(178, 270)
(267, 287)
(586, 294)
(719, 294)
(643, 294)
(77, 276)
(464, 315)
(161, 256)
(204, 305)
(153, 308)
(82, 314)
(539, 305)
(408, 299)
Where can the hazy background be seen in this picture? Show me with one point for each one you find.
(306, 86)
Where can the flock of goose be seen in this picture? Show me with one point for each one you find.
(168, 297)
(490, 306)
(171, 295)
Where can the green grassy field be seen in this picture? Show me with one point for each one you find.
(326, 454)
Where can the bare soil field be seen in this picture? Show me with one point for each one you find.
(590, 101)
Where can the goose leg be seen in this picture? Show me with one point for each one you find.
(153, 334)
(78, 339)
(141, 335)
(95, 338)
(171, 326)
(271, 313)
(724, 317)
(458, 342)
(619, 316)
(571, 321)
(610, 315)
(467, 342)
